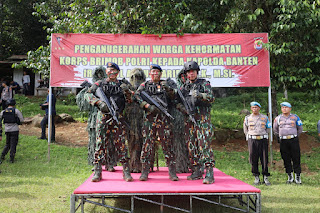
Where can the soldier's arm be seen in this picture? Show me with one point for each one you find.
(245, 128)
(137, 96)
(90, 94)
(208, 94)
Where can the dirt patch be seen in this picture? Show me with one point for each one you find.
(68, 134)
(75, 134)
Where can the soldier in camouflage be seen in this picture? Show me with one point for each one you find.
(198, 93)
(156, 124)
(107, 129)
(256, 127)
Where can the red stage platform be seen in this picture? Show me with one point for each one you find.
(112, 184)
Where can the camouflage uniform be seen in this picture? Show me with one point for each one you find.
(199, 135)
(107, 129)
(156, 127)
(111, 159)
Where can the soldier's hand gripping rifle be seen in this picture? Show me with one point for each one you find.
(115, 106)
(146, 97)
(185, 103)
(100, 94)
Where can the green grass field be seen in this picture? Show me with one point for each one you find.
(32, 184)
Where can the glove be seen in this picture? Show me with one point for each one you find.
(197, 94)
(124, 87)
(165, 85)
(153, 109)
(181, 108)
(102, 106)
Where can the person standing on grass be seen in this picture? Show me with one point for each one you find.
(288, 127)
(45, 120)
(256, 127)
(26, 83)
(12, 118)
(6, 94)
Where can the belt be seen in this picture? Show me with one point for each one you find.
(258, 137)
(288, 137)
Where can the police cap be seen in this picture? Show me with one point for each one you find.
(287, 104)
(113, 65)
(155, 66)
(191, 65)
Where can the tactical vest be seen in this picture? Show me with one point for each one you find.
(156, 90)
(9, 116)
(198, 85)
(113, 89)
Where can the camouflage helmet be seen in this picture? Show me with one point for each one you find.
(191, 65)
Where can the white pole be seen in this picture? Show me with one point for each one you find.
(270, 119)
(49, 121)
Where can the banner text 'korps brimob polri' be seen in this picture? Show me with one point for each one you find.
(226, 60)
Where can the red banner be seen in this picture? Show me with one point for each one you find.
(226, 60)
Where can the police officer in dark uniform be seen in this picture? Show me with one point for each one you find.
(156, 124)
(256, 128)
(108, 130)
(199, 134)
(288, 127)
(12, 118)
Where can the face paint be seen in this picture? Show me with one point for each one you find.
(112, 73)
(192, 75)
(155, 75)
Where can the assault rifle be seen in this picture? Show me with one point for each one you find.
(85, 84)
(146, 97)
(100, 94)
(185, 103)
(116, 108)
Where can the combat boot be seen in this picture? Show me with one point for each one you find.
(109, 168)
(209, 178)
(196, 173)
(97, 173)
(145, 172)
(290, 178)
(266, 180)
(126, 172)
(298, 179)
(256, 180)
(172, 172)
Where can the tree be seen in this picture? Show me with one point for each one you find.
(20, 31)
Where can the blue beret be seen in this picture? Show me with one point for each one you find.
(113, 65)
(287, 104)
(155, 66)
(255, 104)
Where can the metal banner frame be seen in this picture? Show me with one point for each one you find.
(248, 202)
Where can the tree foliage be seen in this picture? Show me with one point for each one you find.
(293, 27)
(20, 31)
